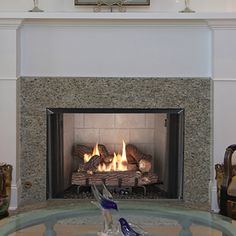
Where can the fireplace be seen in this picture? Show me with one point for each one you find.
(163, 97)
(134, 152)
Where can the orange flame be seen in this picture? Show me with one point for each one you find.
(87, 157)
(124, 161)
(96, 151)
(119, 162)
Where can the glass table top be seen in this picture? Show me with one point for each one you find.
(85, 219)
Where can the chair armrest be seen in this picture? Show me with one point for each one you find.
(228, 167)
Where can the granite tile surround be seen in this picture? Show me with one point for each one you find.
(36, 94)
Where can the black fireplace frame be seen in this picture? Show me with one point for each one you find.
(55, 175)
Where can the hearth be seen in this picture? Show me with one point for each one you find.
(129, 150)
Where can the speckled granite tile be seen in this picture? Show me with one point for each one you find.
(191, 94)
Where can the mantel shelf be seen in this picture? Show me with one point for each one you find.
(120, 16)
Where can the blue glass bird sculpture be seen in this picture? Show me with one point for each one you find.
(106, 193)
(104, 201)
(128, 229)
(106, 204)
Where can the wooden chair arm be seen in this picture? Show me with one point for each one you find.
(228, 167)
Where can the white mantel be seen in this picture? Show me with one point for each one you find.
(153, 43)
(119, 15)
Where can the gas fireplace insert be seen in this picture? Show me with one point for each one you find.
(136, 153)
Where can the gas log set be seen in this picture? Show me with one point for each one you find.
(97, 166)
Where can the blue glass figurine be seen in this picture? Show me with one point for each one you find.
(128, 229)
(104, 201)
(106, 204)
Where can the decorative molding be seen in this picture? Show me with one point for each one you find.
(12, 24)
(14, 195)
(167, 15)
(223, 24)
(117, 23)
(221, 20)
(213, 192)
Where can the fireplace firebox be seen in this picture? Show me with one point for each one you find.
(134, 152)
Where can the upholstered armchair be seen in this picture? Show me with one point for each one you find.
(227, 198)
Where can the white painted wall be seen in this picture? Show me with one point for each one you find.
(8, 129)
(224, 123)
(224, 117)
(156, 5)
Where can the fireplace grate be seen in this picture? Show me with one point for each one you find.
(136, 192)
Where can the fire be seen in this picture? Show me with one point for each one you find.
(124, 161)
(87, 157)
(118, 163)
(96, 151)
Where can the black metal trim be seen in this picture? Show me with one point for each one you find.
(52, 112)
(55, 173)
(114, 110)
(175, 155)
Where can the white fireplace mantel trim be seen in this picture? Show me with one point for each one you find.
(10, 23)
(222, 20)
(121, 16)
(116, 23)
(223, 24)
